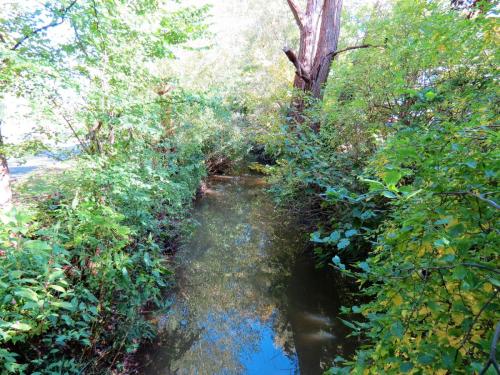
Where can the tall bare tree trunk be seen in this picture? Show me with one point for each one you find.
(5, 189)
(319, 27)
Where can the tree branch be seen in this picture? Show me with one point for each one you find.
(333, 54)
(54, 23)
(474, 321)
(295, 61)
(492, 361)
(297, 13)
(481, 197)
(70, 125)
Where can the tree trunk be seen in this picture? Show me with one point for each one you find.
(5, 190)
(319, 29)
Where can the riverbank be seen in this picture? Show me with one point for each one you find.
(84, 256)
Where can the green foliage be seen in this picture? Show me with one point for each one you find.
(434, 272)
(77, 272)
(406, 161)
(317, 174)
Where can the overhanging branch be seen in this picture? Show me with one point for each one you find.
(54, 23)
(333, 54)
(492, 360)
(481, 197)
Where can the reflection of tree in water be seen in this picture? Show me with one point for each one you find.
(172, 344)
(308, 300)
(235, 276)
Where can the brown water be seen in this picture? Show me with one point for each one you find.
(248, 300)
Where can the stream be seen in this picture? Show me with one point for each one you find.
(248, 297)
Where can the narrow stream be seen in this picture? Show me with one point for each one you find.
(248, 300)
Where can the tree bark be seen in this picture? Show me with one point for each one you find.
(319, 27)
(5, 189)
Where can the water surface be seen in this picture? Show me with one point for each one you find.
(248, 299)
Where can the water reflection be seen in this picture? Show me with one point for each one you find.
(247, 302)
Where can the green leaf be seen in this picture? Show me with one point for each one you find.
(471, 164)
(389, 194)
(336, 260)
(27, 294)
(412, 194)
(147, 259)
(334, 237)
(56, 274)
(316, 237)
(391, 178)
(442, 242)
(37, 245)
(373, 185)
(397, 329)
(494, 281)
(343, 243)
(351, 232)
(58, 288)
(364, 266)
(18, 326)
(448, 258)
(406, 367)
(444, 221)
(430, 95)
(65, 305)
(349, 324)
(76, 200)
(425, 359)
(460, 272)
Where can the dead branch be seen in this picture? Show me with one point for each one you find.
(295, 61)
(70, 125)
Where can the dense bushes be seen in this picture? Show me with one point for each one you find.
(406, 164)
(78, 269)
(76, 273)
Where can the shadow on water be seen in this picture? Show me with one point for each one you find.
(248, 299)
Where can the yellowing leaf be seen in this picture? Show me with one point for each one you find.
(397, 299)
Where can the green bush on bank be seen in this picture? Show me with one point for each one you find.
(78, 270)
(76, 273)
(406, 163)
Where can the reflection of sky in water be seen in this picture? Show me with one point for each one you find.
(244, 304)
(248, 345)
(268, 358)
